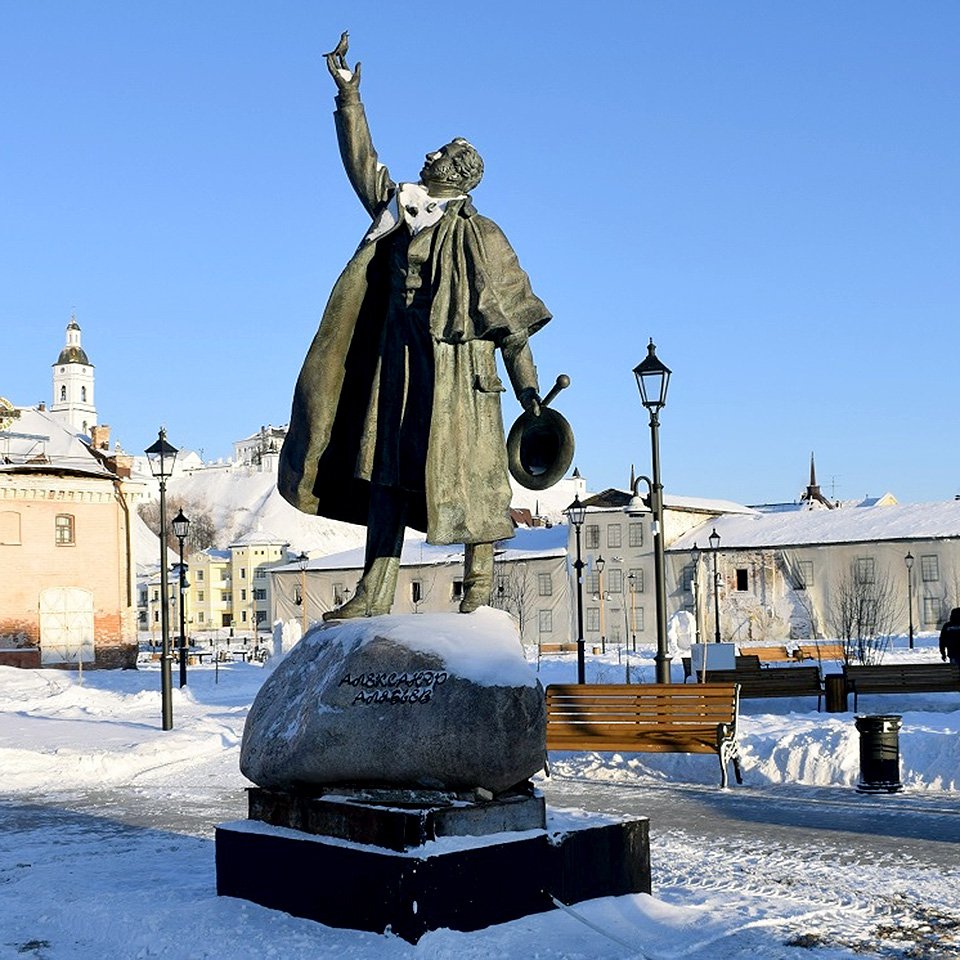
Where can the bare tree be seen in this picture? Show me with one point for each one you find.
(512, 591)
(201, 533)
(864, 610)
(799, 590)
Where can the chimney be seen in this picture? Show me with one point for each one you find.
(100, 436)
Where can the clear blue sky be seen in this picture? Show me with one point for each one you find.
(769, 190)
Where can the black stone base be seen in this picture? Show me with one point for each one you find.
(461, 884)
(394, 818)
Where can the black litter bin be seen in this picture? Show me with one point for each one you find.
(879, 753)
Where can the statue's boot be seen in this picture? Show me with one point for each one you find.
(477, 576)
(374, 594)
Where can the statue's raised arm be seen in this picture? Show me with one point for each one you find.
(368, 177)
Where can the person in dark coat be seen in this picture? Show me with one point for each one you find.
(950, 637)
(396, 415)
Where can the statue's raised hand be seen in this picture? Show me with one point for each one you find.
(347, 80)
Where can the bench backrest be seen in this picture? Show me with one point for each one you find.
(905, 673)
(821, 651)
(784, 682)
(644, 704)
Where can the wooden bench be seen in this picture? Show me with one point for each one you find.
(557, 648)
(821, 652)
(786, 682)
(646, 718)
(743, 663)
(769, 654)
(901, 678)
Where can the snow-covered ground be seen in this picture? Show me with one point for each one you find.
(107, 821)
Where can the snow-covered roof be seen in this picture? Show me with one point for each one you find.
(614, 499)
(528, 544)
(861, 524)
(36, 442)
(259, 537)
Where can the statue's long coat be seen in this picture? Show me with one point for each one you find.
(481, 299)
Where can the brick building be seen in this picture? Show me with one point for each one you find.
(66, 556)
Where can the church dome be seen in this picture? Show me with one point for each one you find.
(73, 354)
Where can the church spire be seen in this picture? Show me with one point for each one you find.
(813, 493)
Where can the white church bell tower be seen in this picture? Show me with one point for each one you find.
(73, 401)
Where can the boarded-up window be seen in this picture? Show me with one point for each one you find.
(9, 528)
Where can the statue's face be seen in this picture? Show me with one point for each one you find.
(439, 169)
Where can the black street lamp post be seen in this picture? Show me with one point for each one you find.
(576, 514)
(653, 378)
(302, 561)
(181, 527)
(695, 587)
(908, 560)
(714, 539)
(162, 456)
(600, 563)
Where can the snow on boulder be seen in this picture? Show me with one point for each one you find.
(443, 701)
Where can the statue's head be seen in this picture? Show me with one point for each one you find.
(454, 167)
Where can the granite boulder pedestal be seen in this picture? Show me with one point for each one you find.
(393, 757)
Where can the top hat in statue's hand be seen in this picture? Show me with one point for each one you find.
(540, 447)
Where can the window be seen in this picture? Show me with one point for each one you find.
(64, 529)
(544, 585)
(200, 596)
(930, 568)
(200, 617)
(591, 538)
(932, 611)
(804, 574)
(456, 590)
(226, 596)
(591, 582)
(261, 616)
(243, 573)
(614, 535)
(545, 621)
(243, 593)
(259, 574)
(243, 616)
(260, 593)
(687, 576)
(638, 619)
(9, 527)
(869, 616)
(635, 535)
(742, 579)
(416, 591)
(864, 570)
(614, 580)
(224, 575)
(63, 394)
(635, 581)
(156, 596)
(592, 619)
(198, 574)
(83, 394)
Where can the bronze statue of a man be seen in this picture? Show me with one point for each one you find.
(396, 414)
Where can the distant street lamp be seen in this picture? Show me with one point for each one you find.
(302, 563)
(181, 527)
(599, 563)
(908, 560)
(632, 580)
(576, 514)
(653, 378)
(714, 539)
(162, 456)
(695, 586)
